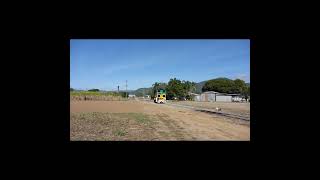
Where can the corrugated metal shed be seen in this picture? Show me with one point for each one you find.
(213, 96)
(197, 98)
(223, 98)
(207, 97)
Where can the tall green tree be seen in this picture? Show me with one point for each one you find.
(225, 85)
(179, 89)
(174, 88)
(189, 87)
(240, 86)
(246, 92)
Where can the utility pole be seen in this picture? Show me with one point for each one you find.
(126, 89)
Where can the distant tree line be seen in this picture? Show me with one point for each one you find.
(94, 90)
(143, 91)
(175, 88)
(181, 89)
(225, 85)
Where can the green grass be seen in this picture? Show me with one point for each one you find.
(142, 118)
(165, 134)
(138, 117)
(90, 93)
(120, 132)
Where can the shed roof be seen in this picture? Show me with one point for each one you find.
(218, 93)
(208, 92)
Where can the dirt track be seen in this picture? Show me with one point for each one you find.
(190, 125)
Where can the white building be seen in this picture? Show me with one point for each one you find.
(213, 96)
(236, 97)
(196, 97)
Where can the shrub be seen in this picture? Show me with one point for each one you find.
(94, 90)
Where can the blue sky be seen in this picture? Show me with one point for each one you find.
(105, 64)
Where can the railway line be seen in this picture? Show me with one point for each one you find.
(211, 111)
(226, 114)
(207, 110)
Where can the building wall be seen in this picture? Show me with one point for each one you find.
(202, 97)
(207, 97)
(236, 98)
(224, 98)
(211, 97)
(197, 98)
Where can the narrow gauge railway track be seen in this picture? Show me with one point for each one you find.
(230, 115)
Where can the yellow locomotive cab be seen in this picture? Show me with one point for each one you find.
(160, 96)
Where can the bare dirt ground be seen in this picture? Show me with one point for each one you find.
(139, 120)
(106, 106)
(243, 108)
(237, 108)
